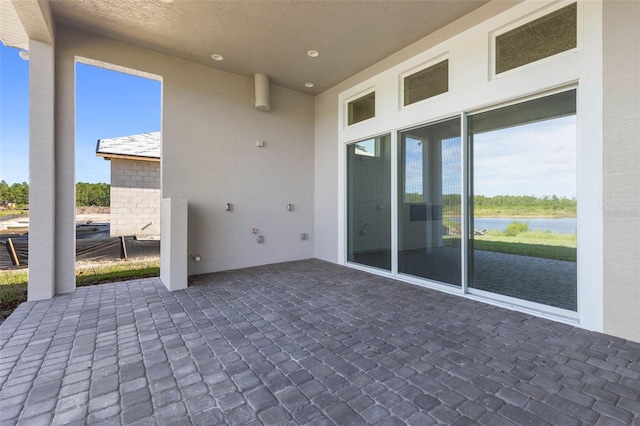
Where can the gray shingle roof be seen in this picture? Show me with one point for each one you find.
(145, 145)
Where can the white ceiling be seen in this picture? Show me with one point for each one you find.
(270, 37)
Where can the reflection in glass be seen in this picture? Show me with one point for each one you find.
(429, 202)
(369, 202)
(523, 182)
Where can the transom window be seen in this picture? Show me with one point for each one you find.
(426, 83)
(549, 35)
(362, 108)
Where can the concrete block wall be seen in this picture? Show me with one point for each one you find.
(135, 198)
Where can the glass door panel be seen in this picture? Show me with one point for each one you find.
(523, 204)
(369, 202)
(429, 188)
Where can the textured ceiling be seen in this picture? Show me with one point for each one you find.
(270, 37)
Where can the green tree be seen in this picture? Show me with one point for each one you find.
(17, 193)
(92, 194)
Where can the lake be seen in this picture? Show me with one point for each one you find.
(555, 225)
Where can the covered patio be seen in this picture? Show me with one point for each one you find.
(304, 342)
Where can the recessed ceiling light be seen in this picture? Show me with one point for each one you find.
(309, 85)
(24, 54)
(313, 53)
(217, 57)
(166, 1)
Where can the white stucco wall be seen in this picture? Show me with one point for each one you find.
(213, 111)
(224, 165)
(135, 197)
(621, 48)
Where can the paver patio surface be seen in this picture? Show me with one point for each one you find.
(304, 342)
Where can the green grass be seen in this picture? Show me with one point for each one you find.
(120, 271)
(518, 239)
(523, 249)
(13, 283)
(543, 244)
(522, 212)
(13, 291)
(16, 212)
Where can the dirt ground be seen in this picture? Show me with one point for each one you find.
(92, 210)
(92, 214)
(92, 218)
(20, 224)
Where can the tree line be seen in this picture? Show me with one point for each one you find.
(87, 194)
(551, 202)
(507, 202)
(18, 193)
(92, 194)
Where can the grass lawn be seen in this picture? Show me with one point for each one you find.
(13, 283)
(522, 212)
(530, 243)
(13, 212)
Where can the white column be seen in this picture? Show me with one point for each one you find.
(65, 231)
(42, 167)
(173, 243)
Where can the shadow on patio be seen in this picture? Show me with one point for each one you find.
(304, 342)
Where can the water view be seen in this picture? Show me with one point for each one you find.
(555, 225)
(565, 225)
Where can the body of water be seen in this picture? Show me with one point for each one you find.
(555, 225)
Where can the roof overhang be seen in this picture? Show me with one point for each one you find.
(24, 20)
(107, 156)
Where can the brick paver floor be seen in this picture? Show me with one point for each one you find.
(304, 342)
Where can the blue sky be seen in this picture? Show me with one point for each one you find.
(534, 159)
(451, 157)
(108, 104)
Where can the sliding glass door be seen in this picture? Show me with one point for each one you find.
(429, 160)
(523, 209)
(369, 202)
(520, 203)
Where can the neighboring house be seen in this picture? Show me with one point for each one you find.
(135, 183)
(387, 74)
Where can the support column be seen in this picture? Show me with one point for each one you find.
(173, 243)
(65, 158)
(42, 167)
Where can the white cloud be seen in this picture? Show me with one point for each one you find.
(534, 159)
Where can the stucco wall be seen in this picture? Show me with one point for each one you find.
(135, 198)
(621, 49)
(220, 163)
